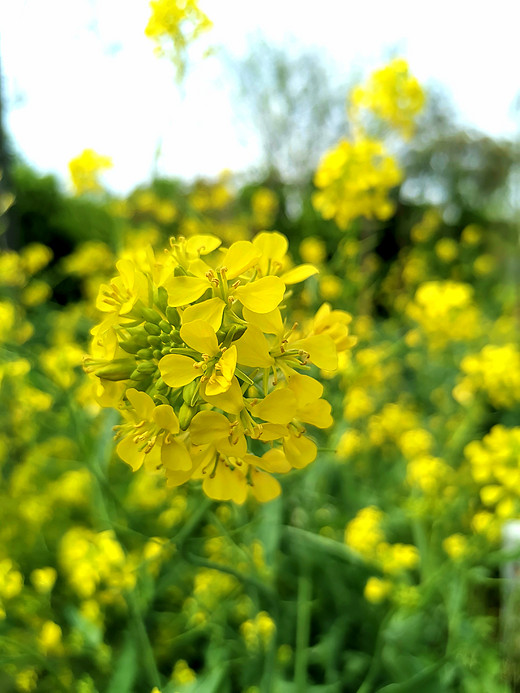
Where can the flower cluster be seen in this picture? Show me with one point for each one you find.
(445, 311)
(393, 95)
(354, 180)
(365, 535)
(177, 22)
(494, 467)
(85, 170)
(495, 370)
(209, 375)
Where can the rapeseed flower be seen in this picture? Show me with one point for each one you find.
(208, 373)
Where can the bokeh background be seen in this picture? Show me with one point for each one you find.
(382, 142)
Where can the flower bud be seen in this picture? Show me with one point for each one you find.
(144, 353)
(162, 298)
(150, 315)
(147, 367)
(186, 414)
(165, 326)
(151, 328)
(173, 316)
(189, 392)
(119, 369)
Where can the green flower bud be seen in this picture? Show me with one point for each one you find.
(165, 326)
(190, 392)
(186, 414)
(162, 298)
(151, 328)
(144, 353)
(161, 386)
(147, 367)
(119, 369)
(130, 346)
(173, 316)
(166, 339)
(136, 375)
(150, 315)
(154, 341)
(157, 354)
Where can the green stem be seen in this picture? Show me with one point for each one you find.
(303, 626)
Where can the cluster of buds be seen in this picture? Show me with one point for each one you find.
(210, 378)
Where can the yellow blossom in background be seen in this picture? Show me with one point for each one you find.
(393, 95)
(85, 171)
(264, 205)
(494, 371)
(446, 249)
(377, 590)
(354, 180)
(445, 311)
(456, 546)
(313, 250)
(182, 674)
(173, 26)
(496, 470)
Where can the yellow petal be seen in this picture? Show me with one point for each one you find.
(141, 402)
(233, 446)
(225, 484)
(152, 460)
(210, 311)
(129, 452)
(300, 451)
(177, 370)
(175, 457)
(202, 244)
(305, 388)
(227, 363)
(270, 323)
(273, 461)
(262, 295)
(184, 290)
(166, 418)
(200, 336)
(273, 432)
(209, 426)
(279, 407)
(316, 413)
(299, 274)
(253, 349)
(231, 401)
(271, 244)
(240, 257)
(321, 349)
(264, 487)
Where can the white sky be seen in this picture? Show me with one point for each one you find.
(68, 88)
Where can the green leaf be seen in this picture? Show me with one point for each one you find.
(125, 670)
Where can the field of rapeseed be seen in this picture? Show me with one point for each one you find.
(257, 446)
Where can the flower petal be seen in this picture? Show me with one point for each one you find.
(253, 349)
(184, 290)
(210, 311)
(279, 407)
(299, 274)
(199, 335)
(177, 370)
(262, 295)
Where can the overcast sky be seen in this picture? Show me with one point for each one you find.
(80, 74)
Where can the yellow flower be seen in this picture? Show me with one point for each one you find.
(196, 351)
(85, 169)
(354, 180)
